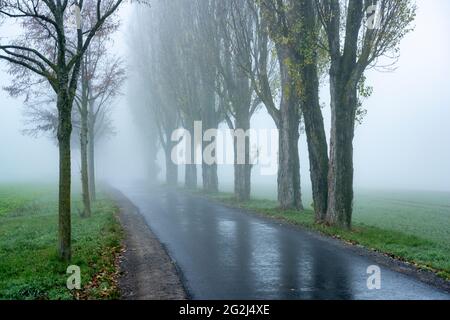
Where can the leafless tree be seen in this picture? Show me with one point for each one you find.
(152, 64)
(236, 69)
(44, 52)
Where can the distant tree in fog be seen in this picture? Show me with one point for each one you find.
(177, 65)
(236, 65)
(158, 104)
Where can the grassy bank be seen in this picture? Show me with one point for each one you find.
(432, 253)
(29, 266)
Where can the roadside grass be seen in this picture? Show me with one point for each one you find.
(14, 197)
(431, 253)
(29, 266)
(425, 214)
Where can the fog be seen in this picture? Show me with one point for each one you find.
(403, 142)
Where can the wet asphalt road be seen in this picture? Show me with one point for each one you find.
(224, 253)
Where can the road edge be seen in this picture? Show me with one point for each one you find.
(146, 270)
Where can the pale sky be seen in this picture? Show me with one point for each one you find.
(404, 141)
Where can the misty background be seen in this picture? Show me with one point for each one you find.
(403, 142)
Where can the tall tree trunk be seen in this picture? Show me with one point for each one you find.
(84, 117)
(345, 73)
(91, 167)
(210, 178)
(209, 121)
(91, 154)
(84, 161)
(317, 143)
(171, 168)
(190, 173)
(312, 114)
(64, 203)
(242, 171)
(289, 188)
(340, 179)
(190, 180)
(242, 180)
(209, 173)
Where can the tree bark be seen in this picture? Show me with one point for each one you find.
(84, 161)
(340, 179)
(344, 77)
(210, 178)
(209, 121)
(190, 173)
(317, 143)
(84, 117)
(343, 93)
(190, 180)
(64, 208)
(171, 168)
(91, 155)
(312, 114)
(242, 171)
(289, 188)
(209, 171)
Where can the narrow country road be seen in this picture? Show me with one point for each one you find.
(224, 253)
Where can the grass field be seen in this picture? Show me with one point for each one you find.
(29, 267)
(410, 225)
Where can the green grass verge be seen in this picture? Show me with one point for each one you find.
(29, 266)
(423, 253)
(425, 214)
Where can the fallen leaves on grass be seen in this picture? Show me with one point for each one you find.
(105, 283)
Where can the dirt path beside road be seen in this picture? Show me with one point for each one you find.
(147, 272)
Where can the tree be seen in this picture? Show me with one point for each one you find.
(276, 16)
(184, 72)
(137, 97)
(100, 80)
(235, 62)
(43, 52)
(102, 76)
(83, 111)
(287, 115)
(206, 36)
(357, 34)
(292, 26)
(42, 116)
(179, 72)
(152, 54)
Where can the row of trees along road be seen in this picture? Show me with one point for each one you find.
(53, 50)
(218, 61)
